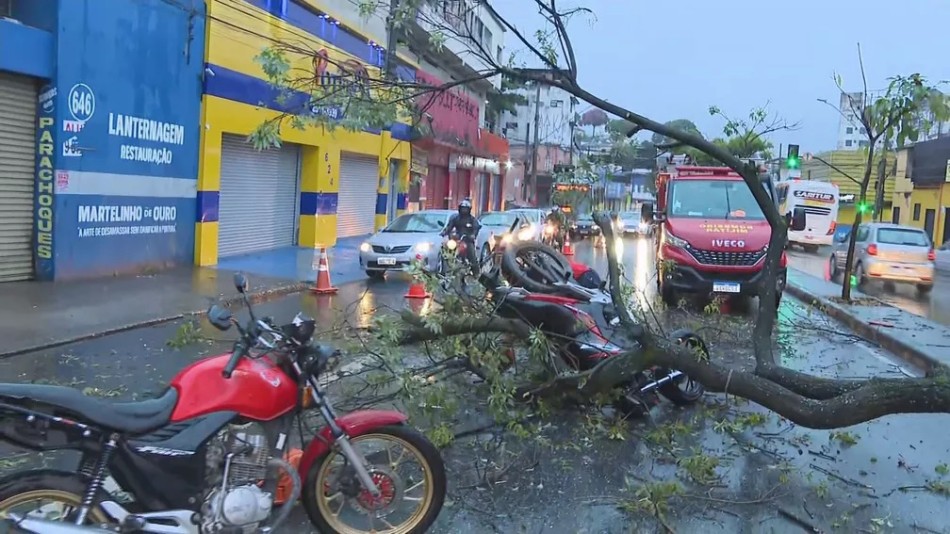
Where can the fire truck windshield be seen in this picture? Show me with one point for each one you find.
(713, 199)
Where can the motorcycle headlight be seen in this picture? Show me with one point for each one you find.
(525, 234)
(507, 237)
(674, 241)
(451, 244)
(365, 247)
(423, 247)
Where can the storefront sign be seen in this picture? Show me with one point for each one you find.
(452, 111)
(44, 188)
(348, 75)
(420, 162)
(142, 129)
(105, 221)
(464, 161)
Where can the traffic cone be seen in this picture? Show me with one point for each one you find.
(417, 290)
(323, 276)
(567, 249)
(284, 483)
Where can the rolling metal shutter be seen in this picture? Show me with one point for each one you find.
(356, 205)
(17, 168)
(258, 200)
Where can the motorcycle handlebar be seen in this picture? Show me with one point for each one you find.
(240, 349)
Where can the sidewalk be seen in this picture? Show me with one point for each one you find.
(37, 315)
(912, 338)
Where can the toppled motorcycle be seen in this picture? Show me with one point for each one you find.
(570, 305)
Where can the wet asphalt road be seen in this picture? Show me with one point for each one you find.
(848, 479)
(935, 306)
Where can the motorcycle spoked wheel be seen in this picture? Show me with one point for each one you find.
(323, 488)
(684, 390)
(535, 266)
(48, 486)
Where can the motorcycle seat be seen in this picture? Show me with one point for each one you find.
(546, 316)
(123, 417)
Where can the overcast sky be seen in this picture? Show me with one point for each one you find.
(670, 60)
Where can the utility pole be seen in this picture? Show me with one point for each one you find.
(389, 67)
(527, 163)
(537, 137)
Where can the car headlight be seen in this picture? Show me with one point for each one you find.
(644, 226)
(423, 247)
(451, 244)
(525, 234)
(365, 247)
(674, 241)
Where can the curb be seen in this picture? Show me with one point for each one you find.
(888, 342)
(259, 296)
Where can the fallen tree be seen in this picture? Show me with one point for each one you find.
(378, 98)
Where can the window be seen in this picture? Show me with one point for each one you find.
(862, 234)
(847, 143)
(717, 199)
(499, 55)
(556, 103)
(917, 211)
(896, 215)
(849, 131)
(902, 236)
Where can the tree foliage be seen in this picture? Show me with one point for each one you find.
(908, 107)
(373, 98)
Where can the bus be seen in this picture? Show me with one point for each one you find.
(819, 201)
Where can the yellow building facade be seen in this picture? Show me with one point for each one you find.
(847, 166)
(336, 183)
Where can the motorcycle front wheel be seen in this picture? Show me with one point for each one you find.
(410, 498)
(684, 390)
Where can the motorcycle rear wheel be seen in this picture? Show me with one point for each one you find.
(317, 484)
(47, 485)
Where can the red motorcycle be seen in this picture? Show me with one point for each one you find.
(209, 453)
(568, 302)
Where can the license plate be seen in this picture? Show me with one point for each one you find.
(726, 287)
(386, 260)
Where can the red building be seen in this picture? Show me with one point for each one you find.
(453, 158)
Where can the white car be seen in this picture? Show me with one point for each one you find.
(495, 225)
(630, 223)
(942, 262)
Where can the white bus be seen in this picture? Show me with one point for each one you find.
(819, 200)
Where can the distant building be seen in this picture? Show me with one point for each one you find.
(851, 134)
(555, 117)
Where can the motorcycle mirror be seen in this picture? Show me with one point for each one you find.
(240, 282)
(219, 317)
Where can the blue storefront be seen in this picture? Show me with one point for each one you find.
(116, 124)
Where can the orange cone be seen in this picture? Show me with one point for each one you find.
(417, 290)
(284, 483)
(323, 276)
(567, 249)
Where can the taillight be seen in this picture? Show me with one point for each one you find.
(932, 255)
(784, 261)
(831, 231)
(872, 249)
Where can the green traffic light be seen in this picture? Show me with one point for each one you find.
(792, 163)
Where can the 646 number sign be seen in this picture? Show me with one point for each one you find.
(81, 102)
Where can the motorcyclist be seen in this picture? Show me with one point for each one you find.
(558, 222)
(465, 226)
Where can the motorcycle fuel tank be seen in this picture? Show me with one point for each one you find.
(257, 389)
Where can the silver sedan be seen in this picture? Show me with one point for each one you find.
(409, 237)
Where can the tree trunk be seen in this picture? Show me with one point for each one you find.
(849, 262)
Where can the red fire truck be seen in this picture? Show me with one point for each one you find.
(711, 234)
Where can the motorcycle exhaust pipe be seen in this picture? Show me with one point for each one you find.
(16, 524)
(657, 383)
